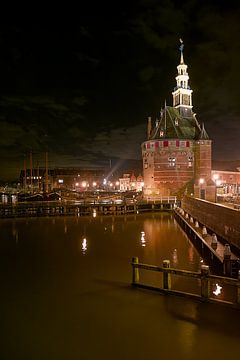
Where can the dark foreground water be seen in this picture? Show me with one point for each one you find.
(66, 294)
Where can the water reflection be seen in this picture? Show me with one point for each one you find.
(4, 199)
(15, 233)
(84, 246)
(175, 258)
(143, 241)
(218, 290)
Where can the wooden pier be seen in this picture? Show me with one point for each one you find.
(204, 278)
(60, 208)
(218, 251)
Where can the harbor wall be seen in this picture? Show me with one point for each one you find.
(220, 219)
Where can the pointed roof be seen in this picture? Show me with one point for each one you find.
(203, 135)
(172, 125)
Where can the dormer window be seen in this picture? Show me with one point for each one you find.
(172, 161)
(190, 161)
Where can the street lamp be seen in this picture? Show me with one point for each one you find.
(202, 191)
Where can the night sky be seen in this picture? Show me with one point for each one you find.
(82, 85)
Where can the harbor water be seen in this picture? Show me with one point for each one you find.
(66, 294)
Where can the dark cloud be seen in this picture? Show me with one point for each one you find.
(83, 88)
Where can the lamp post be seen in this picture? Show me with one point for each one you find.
(202, 191)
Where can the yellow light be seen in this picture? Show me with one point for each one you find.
(84, 245)
(201, 181)
(218, 290)
(84, 184)
(117, 183)
(94, 183)
(77, 184)
(215, 176)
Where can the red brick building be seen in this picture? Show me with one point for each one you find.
(177, 153)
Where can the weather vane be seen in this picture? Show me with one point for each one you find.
(181, 46)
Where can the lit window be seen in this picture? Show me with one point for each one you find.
(190, 161)
(172, 161)
(60, 181)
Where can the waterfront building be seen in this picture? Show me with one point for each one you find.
(177, 155)
(130, 182)
(72, 178)
(227, 182)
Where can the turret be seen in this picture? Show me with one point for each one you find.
(182, 94)
(149, 127)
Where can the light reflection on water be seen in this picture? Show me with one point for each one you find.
(160, 236)
(67, 273)
(84, 246)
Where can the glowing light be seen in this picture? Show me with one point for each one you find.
(84, 245)
(215, 176)
(143, 241)
(60, 181)
(84, 184)
(218, 182)
(94, 184)
(77, 184)
(117, 183)
(104, 182)
(111, 184)
(94, 213)
(201, 181)
(218, 290)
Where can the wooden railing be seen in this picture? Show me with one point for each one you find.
(204, 278)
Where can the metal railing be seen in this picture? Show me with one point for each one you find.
(204, 278)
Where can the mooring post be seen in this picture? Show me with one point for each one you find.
(204, 231)
(238, 288)
(205, 283)
(214, 242)
(135, 272)
(227, 260)
(166, 275)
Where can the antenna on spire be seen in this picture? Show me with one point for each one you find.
(181, 47)
(165, 116)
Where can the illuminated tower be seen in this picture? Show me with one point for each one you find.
(177, 152)
(182, 94)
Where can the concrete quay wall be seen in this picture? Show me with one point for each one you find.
(222, 220)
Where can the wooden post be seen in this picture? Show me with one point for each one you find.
(204, 231)
(135, 272)
(214, 242)
(238, 288)
(205, 284)
(166, 275)
(227, 260)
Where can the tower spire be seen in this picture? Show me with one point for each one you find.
(182, 94)
(181, 47)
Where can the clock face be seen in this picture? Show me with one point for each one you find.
(186, 100)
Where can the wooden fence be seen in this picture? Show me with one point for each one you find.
(204, 277)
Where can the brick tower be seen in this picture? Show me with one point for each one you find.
(177, 153)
